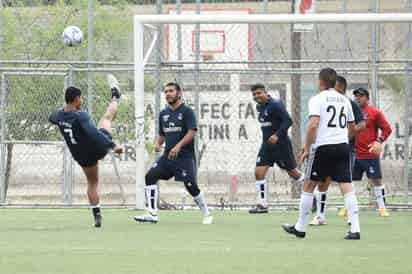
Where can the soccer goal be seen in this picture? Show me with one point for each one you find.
(218, 54)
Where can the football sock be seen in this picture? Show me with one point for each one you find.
(201, 202)
(96, 210)
(380, 196)
(351, 204)
(321, 204)
(305, 205)
(152, 196)
(262, 191)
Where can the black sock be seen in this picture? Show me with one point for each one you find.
(96, 211)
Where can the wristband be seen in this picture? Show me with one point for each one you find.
(379, 140)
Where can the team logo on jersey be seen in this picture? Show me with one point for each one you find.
(184, 173)
(171, 124)
(365, 116)
(166, 117)
(180, 116)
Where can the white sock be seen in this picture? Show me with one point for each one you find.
(321, 204)
(379, 194)
(262, 192)
(351, 204)
(305, 206)
(201, 202)
(152, 196)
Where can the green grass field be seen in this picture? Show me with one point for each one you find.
(62, 241)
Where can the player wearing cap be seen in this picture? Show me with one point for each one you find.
(369, 146)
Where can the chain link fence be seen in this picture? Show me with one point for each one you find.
(37, 168)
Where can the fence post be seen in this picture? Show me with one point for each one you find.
(3, 138)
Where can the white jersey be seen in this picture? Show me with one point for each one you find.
(334, 111)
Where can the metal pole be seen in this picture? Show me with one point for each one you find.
(374, 57)
(158, 56)
(1, 29)
(197, 77)
(265, 6)
(296, 40)
(406, 95)
(90, 30)
(3, 138)
(179, 38)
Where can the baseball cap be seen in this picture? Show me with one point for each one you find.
(361, 92)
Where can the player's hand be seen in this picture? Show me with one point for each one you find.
(375, 148)
(304, 155)
(118, 149)
(158, 147)
(174, 152)
(273, 139)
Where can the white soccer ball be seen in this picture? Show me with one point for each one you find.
(72, 36)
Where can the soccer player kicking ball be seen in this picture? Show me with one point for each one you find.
(177, 127)
(88, 143)
(328, 152)
(369, 147)
(276, 145)
(321, 194)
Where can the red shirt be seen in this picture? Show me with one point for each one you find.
(375, 121)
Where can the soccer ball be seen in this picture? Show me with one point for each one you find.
(72, 36)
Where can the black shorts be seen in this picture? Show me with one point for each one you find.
(372, 167)
(93, 158)
(330, 161)
(183, 169)
(280, 153)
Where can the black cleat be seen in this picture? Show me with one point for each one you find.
(259, 209)
(114, 86)
(98, 220)
(352, 236)
(292, 230)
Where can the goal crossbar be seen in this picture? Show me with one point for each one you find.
(274, 18)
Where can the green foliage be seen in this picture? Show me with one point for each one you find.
(34, 33)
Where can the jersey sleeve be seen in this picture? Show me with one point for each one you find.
(93, 133)
(383, 125)
(190, 119)
(161, 132)
(357, 113)
(314, 107)
(53, 118)
(280, 111)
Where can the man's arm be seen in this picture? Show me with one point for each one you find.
(386, 130)
(310, 136)
(159, 142)
(280, 110)
(384, 126)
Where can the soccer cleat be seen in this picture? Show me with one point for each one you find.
(114, 86)
(147, 218)
(383, 212)
(207, 220)
(343, 212)
(352, 236)
(98, 220)
(292, 230)
(259, 209)
(318, 221)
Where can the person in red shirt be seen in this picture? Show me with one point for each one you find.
(368, 147)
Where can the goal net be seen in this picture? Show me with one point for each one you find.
(216, 56)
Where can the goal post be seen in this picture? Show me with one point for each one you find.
(139, 57)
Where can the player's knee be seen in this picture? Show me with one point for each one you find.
(150, 178)
(192, 188)
(259, 174)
